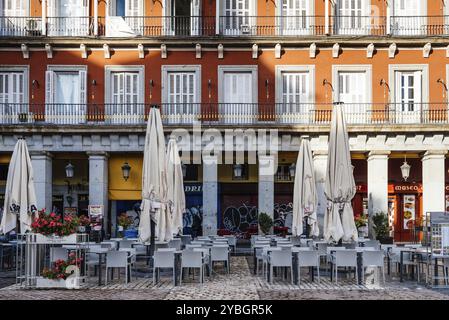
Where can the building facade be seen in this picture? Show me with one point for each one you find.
(77, 79)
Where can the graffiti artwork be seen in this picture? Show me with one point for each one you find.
(238, 219)
(283, 215)
(193, 220)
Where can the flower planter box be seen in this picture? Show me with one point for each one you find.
(43, 239)
(70, 283)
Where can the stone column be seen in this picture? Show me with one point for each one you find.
(433, 180)
(43, 179)
(378, 180)
(267, 169)
(98, 182)
(319, 164)
(210, 195)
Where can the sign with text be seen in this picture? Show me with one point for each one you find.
(96, 216)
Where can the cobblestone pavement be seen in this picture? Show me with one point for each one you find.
(240, 284)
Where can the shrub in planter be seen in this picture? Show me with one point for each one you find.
(382, 228)
(265, 223)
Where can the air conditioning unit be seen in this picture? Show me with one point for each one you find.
(245, 29)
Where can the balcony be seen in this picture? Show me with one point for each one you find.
(228, 26)
(223, 114)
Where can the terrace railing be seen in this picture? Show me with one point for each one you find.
(20, 26)
(224, 114)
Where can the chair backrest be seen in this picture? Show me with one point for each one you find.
(175, 243)
(261, 243)
(196, 242)
(219, 253)
(346, 258)
(166, 249)
(186, 239)
(117, 259)
(322, 248)
(126, 243)
(191, 246)
(285, 245)
(113, 244)
(58, 253)
(281, 258)
(396, 253)
(330, 249)
(350, 245)
(259, 250)
(164, 259)
(161, 245)
(192, 259)
(232, 240)
(373, 243)
(308, 258)
(373, 258)
(107, 245)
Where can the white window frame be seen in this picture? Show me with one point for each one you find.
(222, 69)
(221, 12)
(391, 13)
(280, 69)
(109, 70)
(310, 20)
(166, 69)
(69, 68)
(424, 68)
(366, 68)
(25, 69)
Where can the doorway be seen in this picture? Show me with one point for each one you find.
(182, 17)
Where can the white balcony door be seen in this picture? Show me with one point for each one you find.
(182, 98)
(126, 105)
(352, 17)
(406, 20)
(12, 96)
(352, 92)
(125, 18)
(238, 106)
(408, 95)
(295, 17)
(65, 96)
(182, 17)
(12, 21)
(238, 17)
(68, 17)
(295, 107)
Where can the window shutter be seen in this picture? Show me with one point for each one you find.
(83, 90)
(51, 8)
(398, 89)
(418, 87)
(49, 82)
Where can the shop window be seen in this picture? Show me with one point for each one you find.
(3, 172)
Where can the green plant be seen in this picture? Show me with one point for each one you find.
(381, 225)
(52, 223)
(265, 222)
(125, 221)
(61, 269)
(361, 221)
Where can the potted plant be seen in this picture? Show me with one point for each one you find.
(83, 223)
(265, 223)
(52, 228)
(361, 223)
(58, 275)
(382, 228)
(124, 222)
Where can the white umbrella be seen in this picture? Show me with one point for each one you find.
(20, 196)
(154, 183)
(340, 185)
(175, 186)
(304, 192)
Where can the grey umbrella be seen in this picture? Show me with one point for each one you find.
(340, 185)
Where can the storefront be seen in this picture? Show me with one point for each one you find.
(193, 216)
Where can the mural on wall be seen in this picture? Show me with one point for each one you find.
(193, 216)
(132, 209)
(283, 215)
(238, 219)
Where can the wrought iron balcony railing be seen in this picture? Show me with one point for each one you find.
(223, 114)
(227, 26)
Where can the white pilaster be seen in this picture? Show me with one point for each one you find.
(319, 165)
(433, 179)
(95, 18)
(326, 16)
(44, 17)
(267, 169)
(388, 8)
(210, 195)
(378, 180)
(98, 182)
(43, 179)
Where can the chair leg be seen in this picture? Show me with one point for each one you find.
(271, 274)
(291, 274)
(180, 276)
(299, 275)
(126, 274)
(336, 274)
(318, 272)
(154, 275)
(383, 274)
(106, 281)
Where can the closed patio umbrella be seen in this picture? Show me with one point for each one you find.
(304, 192)
(175, 186)
(20, 196)
(154, 183)
(340, 185)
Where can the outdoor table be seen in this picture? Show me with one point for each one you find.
(414, 253)
(101, 252)
(295, 251)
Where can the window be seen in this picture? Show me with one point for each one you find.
(238, 93)
(16, 23)
(65, 94)
(181, 93)
(238, 16)
(124, 94)
(353, 87)
(13, 93)
(353, 17)
(296, 17)
(125, 18)
(409, 17)
(410, 92)
(68, 17)
(294, 93)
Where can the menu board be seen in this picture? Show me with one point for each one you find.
(409, 208)
(96, 216)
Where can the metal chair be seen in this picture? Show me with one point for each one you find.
(373, 259)
(308, 258)
(373, 244)
(118, 259)
(220, 254)
(280, 258)
(163, 259)
(193, 259)
(344, 258)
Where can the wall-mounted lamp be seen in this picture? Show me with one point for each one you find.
(325, 82)
(443, 83)
(237, 171)
(94, 82)
(209, 86)
(384, 83)
(35, 83)
(184, 170)
(292, 170)
(151, 88)
(126, 168)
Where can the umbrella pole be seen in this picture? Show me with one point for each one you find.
(153, 228)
